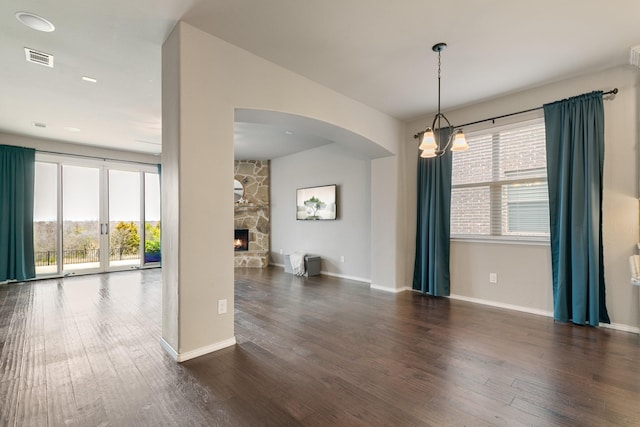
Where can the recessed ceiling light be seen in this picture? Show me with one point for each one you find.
(35, 22)
(89, 79)
(40, 125)
(72, 129)
(288, 132)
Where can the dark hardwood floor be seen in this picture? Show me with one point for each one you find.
(320, 351)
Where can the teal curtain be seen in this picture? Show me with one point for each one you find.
(17, 176)
(431, 270)
(575, 158)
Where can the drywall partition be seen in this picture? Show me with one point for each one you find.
(524, 270)
(204, 80)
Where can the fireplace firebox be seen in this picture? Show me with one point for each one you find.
(241, 240)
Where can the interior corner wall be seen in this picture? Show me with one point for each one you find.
(385, 222)
(349, 236)
(524, 270)
(211, 79)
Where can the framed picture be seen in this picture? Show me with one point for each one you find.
(316, 203)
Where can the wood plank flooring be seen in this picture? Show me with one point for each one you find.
(320, 351)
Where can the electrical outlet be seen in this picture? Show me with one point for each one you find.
(222, 306)
(493, 277)
(342, 258)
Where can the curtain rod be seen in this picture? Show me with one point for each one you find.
(493, 119)
(105, 159)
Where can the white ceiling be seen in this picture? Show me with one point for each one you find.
(377, 53)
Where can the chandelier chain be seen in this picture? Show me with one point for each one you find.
(432, 142)
(439, 67)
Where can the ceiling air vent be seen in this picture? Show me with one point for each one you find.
(38, 57)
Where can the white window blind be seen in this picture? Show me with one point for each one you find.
(499, 185)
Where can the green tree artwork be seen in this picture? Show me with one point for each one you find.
(314, 205)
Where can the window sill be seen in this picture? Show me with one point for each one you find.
(503, 240)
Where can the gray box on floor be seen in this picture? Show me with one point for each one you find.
(311, 265)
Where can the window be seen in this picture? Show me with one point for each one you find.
(499, 185)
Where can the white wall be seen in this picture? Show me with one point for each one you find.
(349, 235)
(524, 271)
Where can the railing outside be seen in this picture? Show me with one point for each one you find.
(81, 256)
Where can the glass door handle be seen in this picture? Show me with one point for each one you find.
(104, 228)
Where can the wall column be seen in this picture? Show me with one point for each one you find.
(197, 216)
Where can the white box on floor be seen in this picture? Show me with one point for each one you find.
(311, 265)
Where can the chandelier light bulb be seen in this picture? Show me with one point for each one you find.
(428, 153)
(428, 140)
(459, 142)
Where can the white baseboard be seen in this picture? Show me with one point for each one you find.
(615, 326)
(183, 357)
(502, 305)
(167, 347)
(344, 276)
(388, 289)
(341, 276)
(621, 327)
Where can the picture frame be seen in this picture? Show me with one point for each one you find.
(317, 203)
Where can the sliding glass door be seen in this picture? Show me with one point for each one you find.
(93, 216)
(81, 219)
(45, 219)
(124, 219)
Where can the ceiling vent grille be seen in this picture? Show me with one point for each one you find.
(38, 57)
(634, 56)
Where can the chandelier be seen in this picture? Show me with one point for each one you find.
(456, 141)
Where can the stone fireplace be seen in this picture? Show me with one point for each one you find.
(252, 213)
